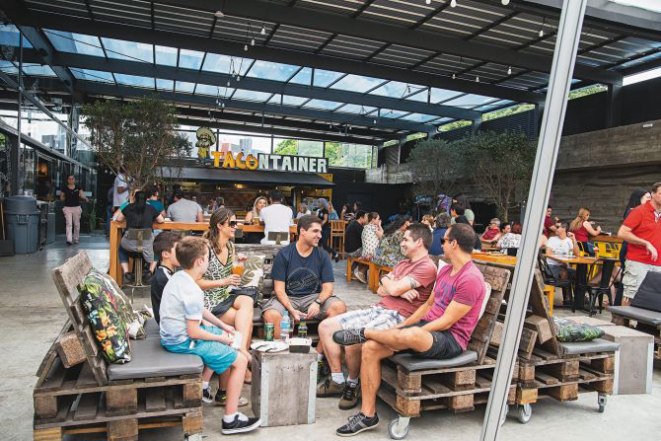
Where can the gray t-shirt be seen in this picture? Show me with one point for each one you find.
(184, 210)
(182, 300)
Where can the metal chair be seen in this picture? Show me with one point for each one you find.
(550, 279)
(140, 236)
(604, 287)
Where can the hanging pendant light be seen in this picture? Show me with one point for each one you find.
(477, 79)
(454, 76)
(505, 2)
(453, 3)
(509, 70)
(263, 31)
(252, 42)
(428, 2)
(245, 47)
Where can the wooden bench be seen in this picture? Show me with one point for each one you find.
(412, 385)
(89, 396)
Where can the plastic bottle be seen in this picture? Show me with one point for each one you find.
(285, 327)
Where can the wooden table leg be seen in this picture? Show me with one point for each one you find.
(373, 278)
(115, 269)
(349, 261)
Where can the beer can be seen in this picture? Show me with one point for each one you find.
(303, 330)
(268, 331)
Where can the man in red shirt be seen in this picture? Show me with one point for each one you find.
(549, 225)
(402, 292)
(439, 329)
(642, 230)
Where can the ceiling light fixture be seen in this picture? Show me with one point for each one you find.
(505, 2)
(509, 70)
(263, 31)
(428, 2)
(252, 42)
(453, 3)
(454, 76)
(245, 47)
(541, 30)
(219, 14)
(477, 79)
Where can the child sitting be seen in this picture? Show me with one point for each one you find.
(183, 331)
(164, 250)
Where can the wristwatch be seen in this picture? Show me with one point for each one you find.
(318, 302)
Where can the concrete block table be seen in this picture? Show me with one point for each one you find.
(633, 362)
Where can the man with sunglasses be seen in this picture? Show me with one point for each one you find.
(439, 329)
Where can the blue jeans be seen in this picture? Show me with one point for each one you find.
(215, 355)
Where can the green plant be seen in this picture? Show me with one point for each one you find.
(437, 165)
(139, 138)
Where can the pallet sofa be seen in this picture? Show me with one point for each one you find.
(77, 392)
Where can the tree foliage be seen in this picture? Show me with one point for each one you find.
(286, 147)
(501, 165)
(138, 137)
(437, 166)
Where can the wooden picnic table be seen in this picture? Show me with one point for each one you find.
(116, 229)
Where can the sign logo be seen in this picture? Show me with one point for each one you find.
(205, 139)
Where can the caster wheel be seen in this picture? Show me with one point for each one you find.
(399, 428)
(524, 413)
(503, 417)
(193, 437)
(601, 399)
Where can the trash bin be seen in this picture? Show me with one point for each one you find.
(23, 219)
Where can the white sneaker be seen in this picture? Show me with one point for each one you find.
(360, 276)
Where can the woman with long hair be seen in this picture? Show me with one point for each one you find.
(324, 215)
(258, 205)
(235, 310)
(583, 229)
(371, 235)
(71, 195)
(139, 215)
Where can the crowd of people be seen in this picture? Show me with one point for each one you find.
(425, 309)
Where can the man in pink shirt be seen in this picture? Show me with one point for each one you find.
(439, 329)
(402, 292)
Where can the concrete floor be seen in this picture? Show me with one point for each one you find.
(31, 315)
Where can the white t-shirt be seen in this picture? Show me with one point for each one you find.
(560, 247)
(276, 218)
(184, 210)
(117, 197)
(182, 300)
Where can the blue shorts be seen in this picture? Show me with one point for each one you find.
(215, 355)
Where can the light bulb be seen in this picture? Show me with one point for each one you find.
(541, 33)
(505, 2)
(263, 31)
(509, 70)
(252, 42)
(245, 47)
(453, 3)
(477, 79)
(238, 78)
(454, 76)
(428, 2)
(228, 83)
(375, 121)
(222, 105)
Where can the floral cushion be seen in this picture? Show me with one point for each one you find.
(105, 318)
(134, 321)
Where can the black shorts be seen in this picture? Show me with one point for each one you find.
(444, 345)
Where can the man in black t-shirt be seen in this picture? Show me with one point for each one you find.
(353, 234)
(303, 280)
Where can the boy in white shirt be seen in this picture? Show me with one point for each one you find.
(188, 328)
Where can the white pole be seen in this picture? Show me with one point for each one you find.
(564, 57)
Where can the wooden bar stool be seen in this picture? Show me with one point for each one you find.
(337, 236)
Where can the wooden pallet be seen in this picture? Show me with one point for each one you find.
(456, 389)
(70, 398)
(654, 331)
(563, 377)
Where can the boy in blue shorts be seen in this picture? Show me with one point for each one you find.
(188, 328)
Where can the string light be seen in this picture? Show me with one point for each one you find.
(454, 76)
(505, 2)
(541, 30)
(509, 70)
(263, 31)
(252, 42)
(428, 2)
(245, 47)
(453, 3)
(477, 79)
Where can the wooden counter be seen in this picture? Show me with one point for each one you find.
(116, 229)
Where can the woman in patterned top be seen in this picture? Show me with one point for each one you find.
(389, 252)
(371, 235)
(509, 239)
(235, 310)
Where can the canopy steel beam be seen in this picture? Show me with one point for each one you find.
(165, 38)
(334, 23)
(134, 92)
(256, 84)
(278, 132)
(564, 58)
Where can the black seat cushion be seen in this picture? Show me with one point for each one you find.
(584, 347)
(642, 315)
(412, 363)
(648, 295)
(150, 359)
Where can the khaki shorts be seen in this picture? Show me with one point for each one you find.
(301, 304)
(634, 274)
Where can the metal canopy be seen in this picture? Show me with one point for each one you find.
(388, 64)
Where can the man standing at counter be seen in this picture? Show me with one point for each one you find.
(276, 218)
